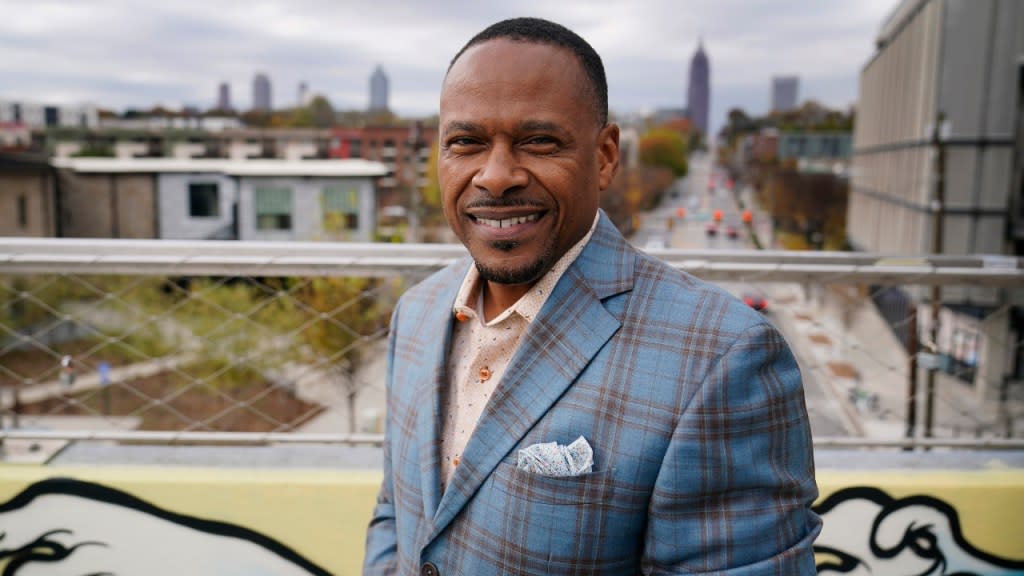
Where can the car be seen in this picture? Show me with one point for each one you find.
(711, 229)
(732, 232)
(755, 301)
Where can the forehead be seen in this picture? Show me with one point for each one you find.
(507, 76)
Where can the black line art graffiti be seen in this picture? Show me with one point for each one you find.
(868, 532)
(66, 526)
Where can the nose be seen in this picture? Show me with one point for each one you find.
(501, 172)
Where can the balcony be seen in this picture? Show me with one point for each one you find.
(205, 376)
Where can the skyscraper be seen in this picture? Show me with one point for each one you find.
(378, 90)
(698, 95)
(785, 92)
(224, 96)
(261, 93)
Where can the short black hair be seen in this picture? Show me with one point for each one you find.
(540, 31)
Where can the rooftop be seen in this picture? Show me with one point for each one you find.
(349, 167)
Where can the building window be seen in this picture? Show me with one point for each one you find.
(203, 200)
(273, 208)
(22, 211)
(340, 209)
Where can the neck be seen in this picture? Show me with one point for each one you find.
(498, 297)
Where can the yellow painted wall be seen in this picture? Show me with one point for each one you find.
(323, 514)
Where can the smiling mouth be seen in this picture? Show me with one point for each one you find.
(507, 222)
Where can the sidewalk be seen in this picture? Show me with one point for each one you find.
(845, 340)
(91, 381)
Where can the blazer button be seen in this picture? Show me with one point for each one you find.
(429, 569)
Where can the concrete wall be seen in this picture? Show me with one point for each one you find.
(36, 190)
(307, 214)
(954, 56)
(202, 521)
(107, 205)
(175, 221)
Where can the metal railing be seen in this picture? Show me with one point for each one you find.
(252, 343)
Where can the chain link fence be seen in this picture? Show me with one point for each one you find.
(232, 342)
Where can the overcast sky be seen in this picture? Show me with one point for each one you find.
(139, 53)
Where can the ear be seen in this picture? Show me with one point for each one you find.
(608, 154)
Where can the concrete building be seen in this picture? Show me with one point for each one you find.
(785, 92)
(39, 115)
(814, 145)
(698, 94)
(378, 90)
(208, 198)
(224, 96)
(27, 197)
(961, 61)
(261, 93)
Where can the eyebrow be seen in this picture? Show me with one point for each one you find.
(460, 126)
(524, 126)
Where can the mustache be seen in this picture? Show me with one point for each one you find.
(487, 202)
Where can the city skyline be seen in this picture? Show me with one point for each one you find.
(644, 46)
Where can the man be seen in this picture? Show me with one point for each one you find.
(690, 403)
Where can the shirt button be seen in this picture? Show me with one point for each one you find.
(485, 374)
(429, 569)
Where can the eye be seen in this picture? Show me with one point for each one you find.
(461, 144)
(541, 144)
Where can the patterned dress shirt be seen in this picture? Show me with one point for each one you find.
(481, 352)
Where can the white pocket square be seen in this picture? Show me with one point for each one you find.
(554, 459)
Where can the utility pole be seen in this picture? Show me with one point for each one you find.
(912, 350)
(939, 209)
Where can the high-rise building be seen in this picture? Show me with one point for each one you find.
(378, 90)
(224, 96)
(698, 94)
(937, 167)
(261, 93)
(785, 92)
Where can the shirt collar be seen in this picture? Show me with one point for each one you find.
(529, 305)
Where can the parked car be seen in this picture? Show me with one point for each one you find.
(755, 301)
(711, 229)
(732, 232)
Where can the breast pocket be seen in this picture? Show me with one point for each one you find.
(560, 525)
(589, 488)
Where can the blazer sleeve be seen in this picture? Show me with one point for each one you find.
(734, 491)
(381, 539)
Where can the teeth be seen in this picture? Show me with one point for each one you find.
(506, 222)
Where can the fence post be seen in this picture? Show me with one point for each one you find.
(938, 206)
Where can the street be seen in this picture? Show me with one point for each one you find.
(663, 229)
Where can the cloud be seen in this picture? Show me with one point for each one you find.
(121, 53)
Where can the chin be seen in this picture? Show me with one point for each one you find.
(512, 275)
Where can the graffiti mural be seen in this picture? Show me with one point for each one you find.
(866, 531)
(65, 526)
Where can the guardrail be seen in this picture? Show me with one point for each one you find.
(281, 342)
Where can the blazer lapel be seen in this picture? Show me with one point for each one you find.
(428, 394)
(570, 329)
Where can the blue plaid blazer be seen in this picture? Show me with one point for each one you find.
(691, 401)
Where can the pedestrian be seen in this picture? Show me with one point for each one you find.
(561, 402)
(67, 371)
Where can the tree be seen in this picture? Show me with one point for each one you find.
(321, 111)
(353, 312)
(665, 148)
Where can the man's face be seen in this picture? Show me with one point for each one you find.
(522, 157)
